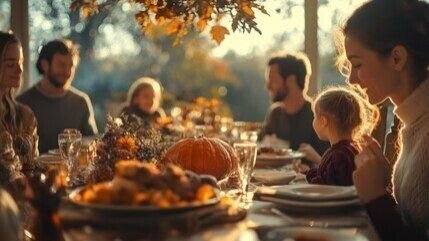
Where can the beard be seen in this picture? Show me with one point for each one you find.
(54, 81)
(280, 95)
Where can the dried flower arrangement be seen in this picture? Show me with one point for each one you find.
(125, 138)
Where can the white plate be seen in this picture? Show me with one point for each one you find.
(311, 192)
(273, 176)
(125, 209)
(54, 152)
(317, 233)
(312, 207)
(47, 159)
(264, 160)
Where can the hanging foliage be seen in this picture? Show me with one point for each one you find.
(176, 17)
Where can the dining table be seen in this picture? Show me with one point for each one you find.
(256, 221)
(261, 218)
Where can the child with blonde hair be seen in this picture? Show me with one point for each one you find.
(342, 117)
(144, 100)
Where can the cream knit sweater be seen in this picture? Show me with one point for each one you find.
(411, 171)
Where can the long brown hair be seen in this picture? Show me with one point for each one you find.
(9, 116)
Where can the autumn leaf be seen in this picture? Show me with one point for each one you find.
(176, 17)
(245, 7)
(141, 18)
(201, 25)
(85, 12)
(209, 12)
(153, 8)
(218, 33)
(173, 26)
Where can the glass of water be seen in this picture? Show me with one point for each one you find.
(246, 153)
(69, 144)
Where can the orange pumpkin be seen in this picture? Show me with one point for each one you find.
(203, 156)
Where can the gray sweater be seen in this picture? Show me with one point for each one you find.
(72, 110)
(296, 128)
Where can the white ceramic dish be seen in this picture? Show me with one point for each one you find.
(312, 207)
(311, 192)
(273, 176)
(316, 233)
(271, 160)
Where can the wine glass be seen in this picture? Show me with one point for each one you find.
(246, 153)
(69, 144)
(249, 136)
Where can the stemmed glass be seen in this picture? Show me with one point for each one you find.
(249, 136)
(69, 143)
(246, 153)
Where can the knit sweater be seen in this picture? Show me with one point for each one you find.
(337, 165)
(411, 171)
(407, 217)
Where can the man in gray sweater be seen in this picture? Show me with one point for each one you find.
(55, 103)
(290, 116)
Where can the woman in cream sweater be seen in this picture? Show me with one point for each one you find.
(387, 47)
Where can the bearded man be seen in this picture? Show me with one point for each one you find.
(56, 104)
(290, 116)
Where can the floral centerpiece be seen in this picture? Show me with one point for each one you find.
(125, 139)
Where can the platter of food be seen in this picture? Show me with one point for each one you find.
(142, 187)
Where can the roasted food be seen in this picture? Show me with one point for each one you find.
(137, 183)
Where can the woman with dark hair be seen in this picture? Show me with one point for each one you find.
(144, 100)
(18, 138)
(386, 43)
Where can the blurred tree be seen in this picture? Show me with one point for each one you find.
(114, 53)
(175, 18)
(248, 99)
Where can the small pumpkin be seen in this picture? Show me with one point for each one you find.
(203, 156)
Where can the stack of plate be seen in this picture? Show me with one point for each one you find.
(300, 233)
(52, 157)
(309, 198)
(275, 160)
(273, 176)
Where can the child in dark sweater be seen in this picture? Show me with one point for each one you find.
(341, 117)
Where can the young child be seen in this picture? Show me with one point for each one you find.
(341, 116)
(144, 99)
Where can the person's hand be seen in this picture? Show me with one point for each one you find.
(372, 172)
(310, 153)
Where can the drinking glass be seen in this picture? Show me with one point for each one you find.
(69, 144)
(246, 153)
(249, 136)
